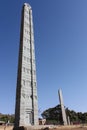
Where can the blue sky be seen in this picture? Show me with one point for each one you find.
(60, 28)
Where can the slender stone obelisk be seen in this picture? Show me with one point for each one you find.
(62, 107)
(68, 120)
(26, 109)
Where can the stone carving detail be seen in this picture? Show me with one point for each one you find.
(26, 110)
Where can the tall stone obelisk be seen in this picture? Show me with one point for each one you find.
(26, 109)
(62, 107)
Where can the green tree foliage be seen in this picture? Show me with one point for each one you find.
(6, 117)
(54, 116)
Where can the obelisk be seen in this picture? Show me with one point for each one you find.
(26, 108)
(62, 107)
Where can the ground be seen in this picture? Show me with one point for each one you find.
(81, 127)
(6, 128)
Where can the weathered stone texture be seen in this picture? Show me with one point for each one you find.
(26, 110)
(62, 107)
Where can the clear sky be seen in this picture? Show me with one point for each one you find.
(60, 28)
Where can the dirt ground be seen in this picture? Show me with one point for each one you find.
(71, 128)
(54, 128)
(6, 128)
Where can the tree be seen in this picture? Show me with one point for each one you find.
(6, 117)
(54, 116)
